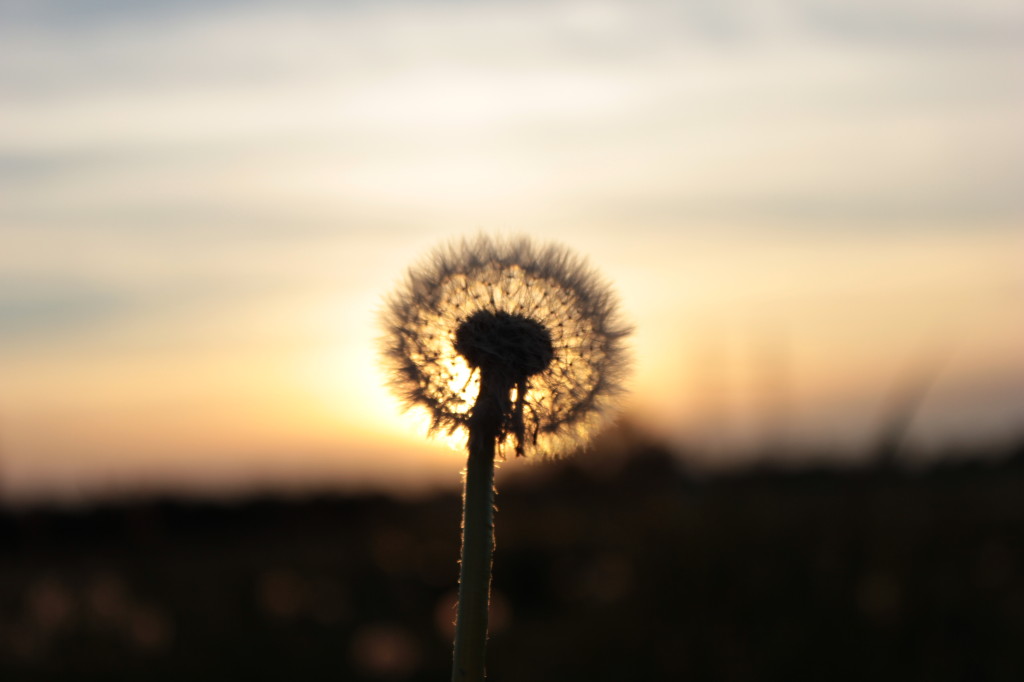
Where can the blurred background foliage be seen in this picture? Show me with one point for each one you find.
(615, 565)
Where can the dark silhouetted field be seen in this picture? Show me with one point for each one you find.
(625, 571)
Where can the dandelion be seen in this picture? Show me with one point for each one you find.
(520, 348)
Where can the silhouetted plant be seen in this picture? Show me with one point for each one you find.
(502, 339)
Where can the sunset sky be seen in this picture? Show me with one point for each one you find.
(805, 207)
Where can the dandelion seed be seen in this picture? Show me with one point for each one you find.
(501, 293)
(501, 339)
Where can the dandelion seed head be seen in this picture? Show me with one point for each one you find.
(512, 346)
(537, 320)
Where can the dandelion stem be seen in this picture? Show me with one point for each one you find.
(477, 533)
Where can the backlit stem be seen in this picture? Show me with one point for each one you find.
(477, 533)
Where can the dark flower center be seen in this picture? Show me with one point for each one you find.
(512, 347)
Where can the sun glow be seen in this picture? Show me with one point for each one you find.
(464, 383)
